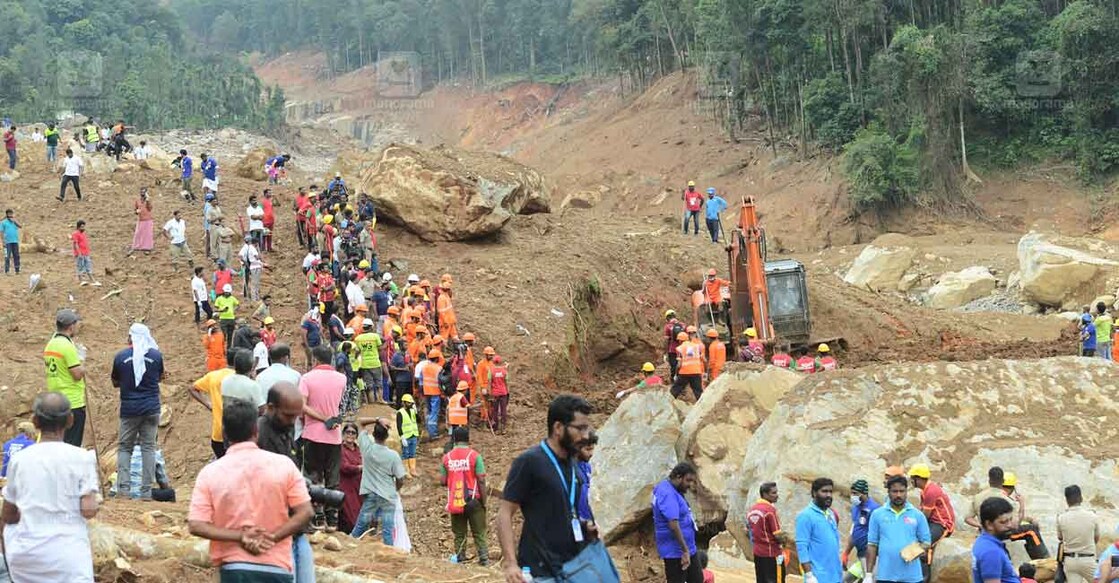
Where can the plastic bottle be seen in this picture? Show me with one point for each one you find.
(526, 574)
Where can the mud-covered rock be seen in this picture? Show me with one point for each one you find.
(252, 165)
(881, 265)
(957, 288)
(1056, 274)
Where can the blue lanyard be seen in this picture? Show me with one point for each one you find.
(569, 490)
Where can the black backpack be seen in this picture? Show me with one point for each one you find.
(446, 382)
(677, 328)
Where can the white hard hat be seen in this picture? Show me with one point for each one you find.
(413, 278)
(367, 323)
(347, 331)
(227, 288)
(386, 277)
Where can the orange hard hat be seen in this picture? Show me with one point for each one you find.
(462, 386)
(712, 273)
(690, 330)
(468, 337)
(361, 308)
(489, 350)
(446, 277)
(419, 309)
(894, 471)
(712, 333)
(416, 290)
(681, 337)
(435, 353)
(394, 310)
(425, 283)
(437, 340)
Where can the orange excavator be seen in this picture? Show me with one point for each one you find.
(769, 296)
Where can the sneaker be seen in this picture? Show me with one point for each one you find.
(59, 199)
(96, 284)
(83, 284)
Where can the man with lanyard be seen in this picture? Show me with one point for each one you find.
(66, 373)
(542, 484)
(817, 536)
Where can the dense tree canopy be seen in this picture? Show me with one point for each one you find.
(130, 59)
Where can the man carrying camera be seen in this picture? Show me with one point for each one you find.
(249, 529)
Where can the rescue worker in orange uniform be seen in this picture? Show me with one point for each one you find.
(499, 393)
(361, 312)
(437, 345)
(415, 318)
(392, 320)
(805, 363)
(448, 321)
(692, 364)
(824, 359)
(483, 376)
(713, 292)
(214, 343)
(716, 355)
(427, 378)
(420, 345)
(458, 407)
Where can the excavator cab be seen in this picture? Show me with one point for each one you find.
(788, 300)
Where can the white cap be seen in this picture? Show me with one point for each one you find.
(367, 323)
(347, 331)
(413, 278)
(227, 288)
(386, 277)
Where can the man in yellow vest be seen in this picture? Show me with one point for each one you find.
(409, 431)
(370, 345)
(458, 409)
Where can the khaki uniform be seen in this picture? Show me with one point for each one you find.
(1078, 529)
(977, 501)
(223, 245)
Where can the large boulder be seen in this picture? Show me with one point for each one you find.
(715, 432)
(98, 163)
(1045, 419)
(252, 165)
(957, 288)
(636, 450)
(447, 194)
(881, 265)
(1056, 274)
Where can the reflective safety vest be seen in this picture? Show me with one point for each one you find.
(462, 481)
(429, 378)
(456, 410)
(691, 358)
(806, 364)
(408, 426)
(827, 363)
(91, 134)
(782, 360)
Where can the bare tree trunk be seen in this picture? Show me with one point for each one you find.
(671, 35)
(482, 45)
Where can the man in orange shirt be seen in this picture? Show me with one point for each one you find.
(421, 345)
(713, 291)
(448, 321)
(692, 363)
(214, 343)
(392, 320)
(361, 312)
(249, 529)
(716, 355)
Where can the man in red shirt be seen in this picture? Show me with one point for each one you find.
(499, 392)
(693, 204)
(80, 241)
(299, 206)
(269, 219)
(937, 508)
(765, 532)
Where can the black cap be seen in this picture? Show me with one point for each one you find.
(66, 318)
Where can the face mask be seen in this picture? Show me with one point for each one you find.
(855, 500)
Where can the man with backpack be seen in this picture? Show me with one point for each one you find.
(464, 475)
(672, 328)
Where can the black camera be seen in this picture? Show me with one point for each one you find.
(325, 496)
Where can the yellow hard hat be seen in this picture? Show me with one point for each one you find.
(269, 321)
(669, 313)
(396, 330)
(363, 264)
(406, 398)
(648, 367)
(920, 471)
(824, 348)
(328, 219)
(691, 183)
(1009, 479)
(752, 333)
(322, 308)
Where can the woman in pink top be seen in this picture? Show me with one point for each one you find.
(143, 239)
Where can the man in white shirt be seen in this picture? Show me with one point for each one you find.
(255, 212)
(260, 360)
(175, 231)
(52, 491)
(71, 170)
(354, 295)
(280, 370)
(309, 260)
(200, 297)
(250, 256)
(142, 152)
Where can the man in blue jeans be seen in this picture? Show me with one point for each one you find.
(137, 371)
(715, 205)
(382, 475)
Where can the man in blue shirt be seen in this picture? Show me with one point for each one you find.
(715, 205)
(1087, 336)
(817, 536)
(336, 185)
(209, 168)
(187, 165)
(674, 527)
(892, 529)
(990, 562)
(862, 505)
(137, 371)
(25, 438)
(10, 228)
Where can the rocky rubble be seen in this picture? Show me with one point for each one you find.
(1065, 272)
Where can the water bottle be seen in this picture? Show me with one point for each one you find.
(526, 574)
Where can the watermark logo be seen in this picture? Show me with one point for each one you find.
(80, 74)
(399, 74)
(1038, 75)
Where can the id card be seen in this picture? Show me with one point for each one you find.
(577, 530)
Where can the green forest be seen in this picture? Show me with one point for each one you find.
(122, 59)
(898, 86)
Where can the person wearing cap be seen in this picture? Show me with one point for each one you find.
(337, 185)
(226, 307)
(409, 431)
(66, 372)
(692, 363)
(420, 345)
(136, 372)
(499, 393)
(767, 536)
(862, 506)
(1020, 528)
(714, 206)
(386, 279)
(483, 376)
(1078, 529)
(213, 342)
(463, 473)
(713, 287)
(357, 322)
(25, 437)
(371, 345)
(458, 407)
(824, 359)
(716, 355)
(751, 349)
(649, 378)
(1087, 335)
(427, 379)
(937, 507)
(893, 530)
(693, 203)
(1027, 529)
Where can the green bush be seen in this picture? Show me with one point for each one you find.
(882, 173)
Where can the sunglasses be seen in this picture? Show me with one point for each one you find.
(349, 432)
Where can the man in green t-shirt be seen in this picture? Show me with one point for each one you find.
(226, 307)
(369, 343)
(65, 372)
(52, 136)
(1104, 325)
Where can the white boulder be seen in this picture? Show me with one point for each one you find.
(957, 288)
(881, 265)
